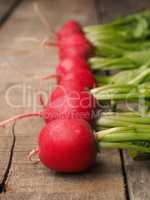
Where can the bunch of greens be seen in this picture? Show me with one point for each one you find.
(124, 34)
(125, 131)
(123, 46)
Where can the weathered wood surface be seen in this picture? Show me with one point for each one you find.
(22, 60)
(137, 173)
(110, 9)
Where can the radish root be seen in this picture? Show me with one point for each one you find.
(47, 43)
(48, 76)
(20, 116)
(33, 153)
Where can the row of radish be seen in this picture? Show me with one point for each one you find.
(67, 142)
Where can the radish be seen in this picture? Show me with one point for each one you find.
(73, 40)
(84, 76)
(68, 64)
(65, 87)
(73, 105)
(70, 27)
(74, 52)
(67, 146)
(74, 46)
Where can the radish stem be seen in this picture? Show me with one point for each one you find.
(126, 137)
(124, 145)
(103, 133)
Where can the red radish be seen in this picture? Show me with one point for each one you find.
(68, 64)
(84, 76)
(73, 40)
(74, 74)
(82, 51)
(74, 45)
(70, 27)
(67, 146)
(74, 105)
(65, 87)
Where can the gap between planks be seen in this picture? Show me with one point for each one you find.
(7, 9)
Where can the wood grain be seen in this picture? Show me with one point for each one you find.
(22, 60)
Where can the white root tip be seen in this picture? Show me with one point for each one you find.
(33, 153)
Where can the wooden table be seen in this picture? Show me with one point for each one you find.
(22, 60)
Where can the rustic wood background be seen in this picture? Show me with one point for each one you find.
(22, 60)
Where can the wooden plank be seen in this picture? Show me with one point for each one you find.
(111, 9)
(22, 60)
(136, 173)
(138, 177)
